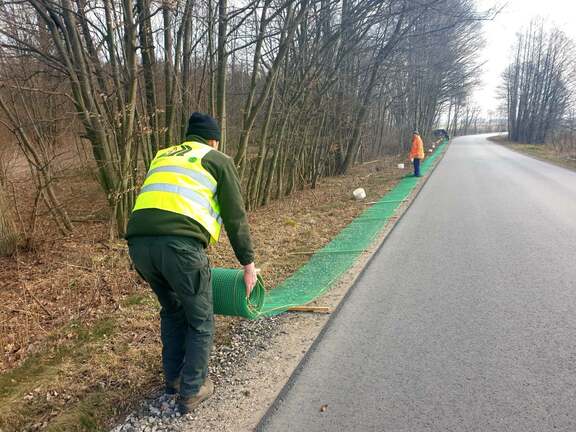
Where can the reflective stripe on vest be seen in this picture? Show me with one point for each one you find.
(177, 182)
(188, 193)
(200, 178)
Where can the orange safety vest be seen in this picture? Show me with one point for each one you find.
(417, 151)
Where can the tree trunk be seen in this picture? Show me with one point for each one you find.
(8, 233)
(221, 72)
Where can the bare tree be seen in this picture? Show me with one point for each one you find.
(537, 85)
(28, 117)
(302, 88)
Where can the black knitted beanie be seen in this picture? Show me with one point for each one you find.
(204, 126)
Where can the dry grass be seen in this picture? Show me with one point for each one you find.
(78, 329)
(544, 152)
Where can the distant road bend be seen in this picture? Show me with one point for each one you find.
(465, 320)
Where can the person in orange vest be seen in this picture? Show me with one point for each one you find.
(416, 152)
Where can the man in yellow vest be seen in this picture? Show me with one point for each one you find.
(191, 189)
(416, 152)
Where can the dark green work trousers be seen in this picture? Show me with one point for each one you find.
(178, 271)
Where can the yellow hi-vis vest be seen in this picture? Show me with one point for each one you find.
(177, 182)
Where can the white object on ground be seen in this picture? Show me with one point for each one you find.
(359, 194)
(401, 165)
(429, 150)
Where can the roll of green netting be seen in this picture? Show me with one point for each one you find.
(229, 293)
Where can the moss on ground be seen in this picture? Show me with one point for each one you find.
(77, 386)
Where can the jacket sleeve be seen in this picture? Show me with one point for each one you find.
(232, 210)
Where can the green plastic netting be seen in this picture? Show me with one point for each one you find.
(324, 267)
(229, 293)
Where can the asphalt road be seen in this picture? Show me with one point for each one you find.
(465, 320)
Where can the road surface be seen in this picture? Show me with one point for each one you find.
(465, 320)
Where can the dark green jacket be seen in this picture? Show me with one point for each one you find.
(155, 222)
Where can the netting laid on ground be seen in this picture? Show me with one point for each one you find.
(324, 267)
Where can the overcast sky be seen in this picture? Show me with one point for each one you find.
(500, 35)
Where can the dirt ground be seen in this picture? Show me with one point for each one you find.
(543, 152)
(79, 330)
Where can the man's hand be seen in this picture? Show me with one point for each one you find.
(250, 272)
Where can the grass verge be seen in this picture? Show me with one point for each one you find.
(545, 152)
(95, 375)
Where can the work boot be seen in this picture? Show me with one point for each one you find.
(172, 387)
(188, 404)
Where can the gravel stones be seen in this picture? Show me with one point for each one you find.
(160, 413)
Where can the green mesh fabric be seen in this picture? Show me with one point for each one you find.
(229, 293)
(323, 269)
